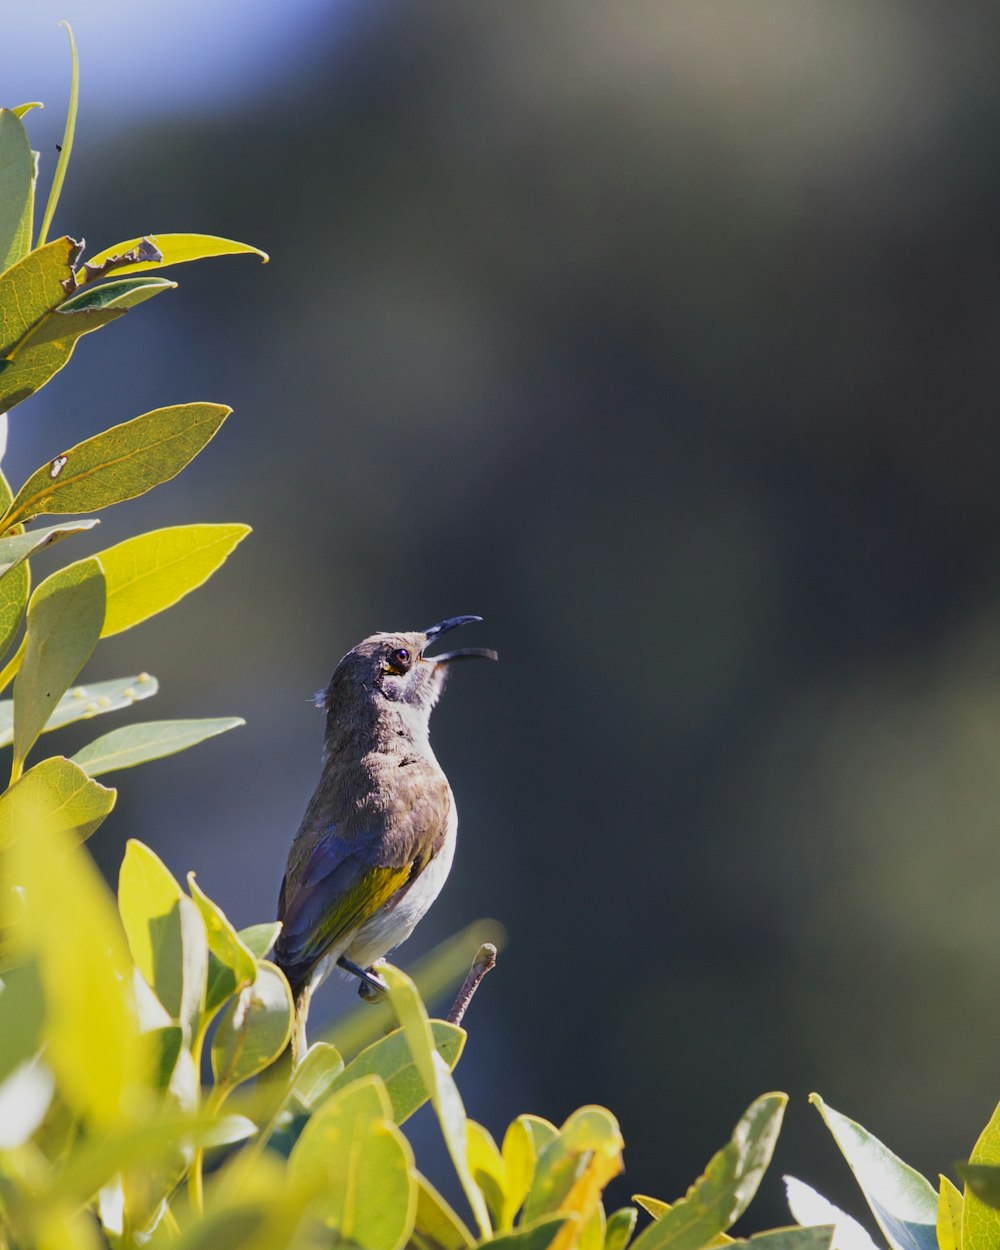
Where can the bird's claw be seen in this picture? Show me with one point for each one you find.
(372, 987)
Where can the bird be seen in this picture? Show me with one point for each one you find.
(377, 840)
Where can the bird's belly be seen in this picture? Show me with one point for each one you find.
(394, 924)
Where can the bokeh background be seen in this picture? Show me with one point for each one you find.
(664, 336)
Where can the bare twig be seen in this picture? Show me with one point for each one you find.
(485, 959)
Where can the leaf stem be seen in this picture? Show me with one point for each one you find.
(67, 143)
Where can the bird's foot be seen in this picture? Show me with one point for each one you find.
(372, 987)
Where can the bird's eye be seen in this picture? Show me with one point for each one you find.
(398, 661)
(402, 657)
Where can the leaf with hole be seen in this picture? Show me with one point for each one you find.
(174, 249)
(121, 463)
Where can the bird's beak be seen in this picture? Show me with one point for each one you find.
(452, 622)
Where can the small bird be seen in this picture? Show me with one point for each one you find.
(377, 840)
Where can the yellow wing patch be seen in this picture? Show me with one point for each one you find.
(359, 903)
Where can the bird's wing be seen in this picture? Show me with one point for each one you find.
(335, 896)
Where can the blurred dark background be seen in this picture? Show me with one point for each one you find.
(664, 336)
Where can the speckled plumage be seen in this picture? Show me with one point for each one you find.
(377, 838)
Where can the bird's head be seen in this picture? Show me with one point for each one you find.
(393, 670)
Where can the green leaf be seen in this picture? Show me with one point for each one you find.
(817, 1238)
(22, 1014)
(32, 289)
(949, 1216)
(62, 327)
(487, 1167)
(437, 1079)
(720, 1196)
(572, 1172)
(620, 1227)
(124, 293)
(535, 1236)
(391, 1059)
(810, 1209)
(980, 1221)
(175, 249)
(13, 589)
(363, 1166)
(254, 1029)
(69, 924)
(57, 793)
(436, 1226)
(903, 1202)
(65, 615)
(17, 547)
(165, 1044)
(525, 1139)
(21, 109)
(66, 147)
(259, 938)
(313, 1079)
(166, 935)
(84, 702)
(121, 463)
(151, 572)
(148, 740)
(17, 189)
(982, 1180)
(655, 1207)
(231, 965)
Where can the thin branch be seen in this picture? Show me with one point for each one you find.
(484, 961)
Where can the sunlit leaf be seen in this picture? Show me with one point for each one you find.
(151, 572)
(31, 289)
(17, 547)
(949, 1216)
(120, 463)
(903, 1202)
(166, 934)
(25, 1097)
(436, 1226)
(655, 1207)
(313, 1078)
(175, 249)
(254, 1029)
(720, 1196)
(84, 702)
(487, 1167)
(259, 938)
(573, 1170)
(391, 1059)
(149, 740)
(66, 147)
(17, 189)
(818, 1238)
(165, 1045)
(69, 923)
(231, 965)
(363, 1165)
(525, 1139)
(65, 615)
(811, 1208)
(63, 327)
(21, 109)
(13, 589)
(59, 793)
(619, 1228)
(536, 1235)
(437, 1079)
(124, 293)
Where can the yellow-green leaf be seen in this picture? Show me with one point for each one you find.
(259, 938)
(21, 109)
(537, 1235)
(166, 934)
(619, 1228)
(655, 1207)
(981, 1221)
(254, 1029)
(175, 249)
(17, 547)
(231, 965)
(63, 326)
(363, 1166)
(69, 923)
(121, 463)
(149, 740)
(572, 1172)
(525, 1139)
(13, 589)
(949, 1216)
(437, 1078)
(66, 147)
(84, 702)
(17, 189)
(65, 615)
(31, 289)
(391, 1059)
(313, 1079)
(58, 793)
(436, 1226)
(718, 1197)
(151, 572)
(488, 1168)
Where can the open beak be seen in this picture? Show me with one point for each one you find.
(464, 653)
